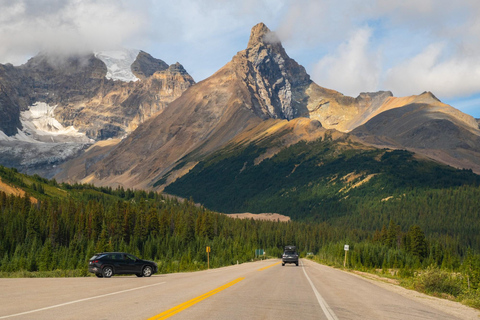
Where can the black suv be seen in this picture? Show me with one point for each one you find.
(290, 255)
(107, 264)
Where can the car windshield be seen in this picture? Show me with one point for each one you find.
(290, 252)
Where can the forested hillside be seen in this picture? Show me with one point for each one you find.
(342, 183)
(52, 230)
(60, 226)
(57, 226)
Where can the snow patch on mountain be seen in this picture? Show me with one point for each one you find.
(40, 126)
(42, 144)
(119, 63)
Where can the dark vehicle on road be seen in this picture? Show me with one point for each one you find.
(106, 264)
(290, 255)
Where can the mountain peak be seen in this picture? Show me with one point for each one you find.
(145, 65)
(428, 94)
(259, 34)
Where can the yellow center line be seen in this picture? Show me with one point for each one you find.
(189, 303)
(269, 266)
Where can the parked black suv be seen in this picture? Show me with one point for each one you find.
(107, 264)
(290, 255)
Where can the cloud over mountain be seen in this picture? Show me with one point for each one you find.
(354, 67)
(353, 45)
(29, 26)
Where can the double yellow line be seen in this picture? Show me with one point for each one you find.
(188, 304)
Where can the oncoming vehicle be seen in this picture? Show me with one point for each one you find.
(290, 255)
(106, 264)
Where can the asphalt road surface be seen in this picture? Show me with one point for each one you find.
(259, 290)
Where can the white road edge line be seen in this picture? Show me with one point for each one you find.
(325, 307)
(76, 301)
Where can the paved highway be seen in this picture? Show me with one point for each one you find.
(260, 290)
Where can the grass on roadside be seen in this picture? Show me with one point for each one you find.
(46, 274)
(432, 281)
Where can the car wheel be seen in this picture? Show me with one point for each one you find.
(107, 272)
(283, 264)
(147, 271)
(296, 264)
(139, 275)
(99, 275)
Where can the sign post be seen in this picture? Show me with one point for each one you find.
(208, 257)
(346, 248)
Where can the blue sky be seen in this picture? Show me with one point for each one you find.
(352, 46)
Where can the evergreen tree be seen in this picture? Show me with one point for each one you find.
(418, 243)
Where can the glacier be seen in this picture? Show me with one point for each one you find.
(42, 144)
(119, 63)
(40, 126)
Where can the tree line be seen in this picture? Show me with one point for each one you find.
(63, 233)
(67, 224)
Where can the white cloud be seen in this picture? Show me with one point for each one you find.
(353, 68)
(407, 46)
(413, 46)
(428, 71)
(29, 26)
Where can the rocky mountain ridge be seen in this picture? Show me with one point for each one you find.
(259, 88)
(169, 124)
(258, 84)
(80, 96)
(101, 107)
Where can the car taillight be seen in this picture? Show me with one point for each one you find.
(94, 261)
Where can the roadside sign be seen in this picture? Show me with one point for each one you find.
(208, 249)
(259, 252)
(346, 248)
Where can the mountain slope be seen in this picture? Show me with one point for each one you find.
(427, 127)
(54, 106)
(258, 84)
(341, 182)
(324, 179)
(100, 107)
(11, 101)
(78, 88)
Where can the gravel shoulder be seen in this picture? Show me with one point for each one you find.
(454, 308)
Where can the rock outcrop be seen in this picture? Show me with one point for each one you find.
(85, 99)
(260, 84)
(276, 82)
(119, 107)
(11, 101)
(79, 95)
(169, 123)
(145, 65)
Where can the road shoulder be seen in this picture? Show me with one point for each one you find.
(453, 308)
